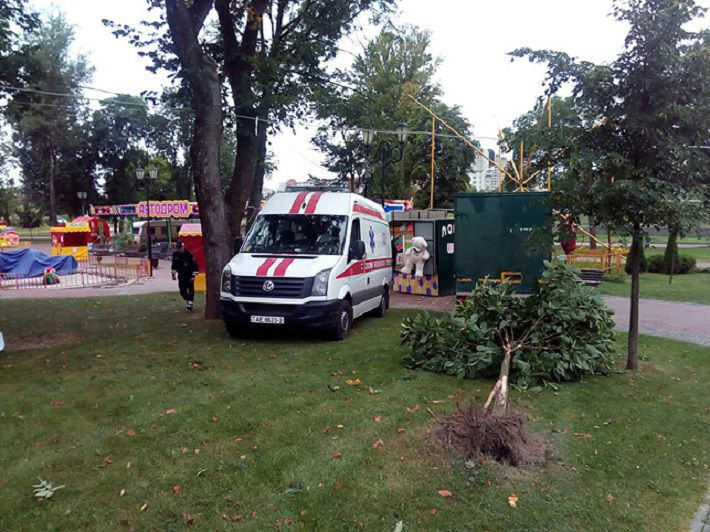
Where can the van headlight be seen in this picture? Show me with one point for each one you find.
(320, 283)
(227, 280)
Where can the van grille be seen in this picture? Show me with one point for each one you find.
(291, 287)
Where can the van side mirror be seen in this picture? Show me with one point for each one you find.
(238, 241)
(357, 250)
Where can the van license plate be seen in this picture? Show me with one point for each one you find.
(272, 320)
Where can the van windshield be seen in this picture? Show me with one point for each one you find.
(312, 234)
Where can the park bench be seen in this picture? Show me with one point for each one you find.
(592, 276)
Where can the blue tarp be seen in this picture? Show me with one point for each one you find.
(31, 263)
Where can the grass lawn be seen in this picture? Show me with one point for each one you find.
(692, 287)
(700, 253)
(104, 400)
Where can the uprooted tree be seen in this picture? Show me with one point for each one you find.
(561, 332)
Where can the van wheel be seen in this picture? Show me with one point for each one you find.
(232, 328)
(381, 311)
(343, 321)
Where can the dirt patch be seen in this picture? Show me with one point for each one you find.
(503, 438)
(27, 342)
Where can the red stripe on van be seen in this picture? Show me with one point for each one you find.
(363, 266)
(263, 270)
(281, 268)
(298, 202)
(367, 210)
(313, 202)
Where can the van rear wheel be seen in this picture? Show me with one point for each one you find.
(381, 311)
(343, 321)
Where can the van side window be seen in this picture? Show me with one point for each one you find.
(355, 231)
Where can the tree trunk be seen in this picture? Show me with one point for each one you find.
(257, 189)
(51, 170)
(632, 360)
(200, 71)
(593, 232)
(497, 402)
(670, 255)
(245, 165)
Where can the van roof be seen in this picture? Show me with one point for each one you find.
(318, 202)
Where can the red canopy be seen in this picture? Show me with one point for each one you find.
(191, 236)
(100, 230)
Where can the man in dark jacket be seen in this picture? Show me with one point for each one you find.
(185, 269)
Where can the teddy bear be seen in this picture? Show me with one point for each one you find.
(415, 257)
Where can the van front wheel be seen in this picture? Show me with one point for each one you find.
(343, 321)
(232, 328)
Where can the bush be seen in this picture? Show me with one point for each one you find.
(644, 263)
(684, 264)
(566, 329)
(613, 277)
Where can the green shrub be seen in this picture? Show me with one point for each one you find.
(565, 329)
(643, 266)
(684, 264)
(655, 263)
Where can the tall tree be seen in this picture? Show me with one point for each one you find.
(17, 21)
(119, 134)
(198, 69)
(373, 92)
(48, 114)
(275, 54)
(648, 106)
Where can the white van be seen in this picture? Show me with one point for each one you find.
(312, 259)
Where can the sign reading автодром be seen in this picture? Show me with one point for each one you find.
(165, 209)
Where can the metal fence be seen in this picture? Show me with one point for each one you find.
(95, 271)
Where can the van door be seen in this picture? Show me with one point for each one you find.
(358, 277)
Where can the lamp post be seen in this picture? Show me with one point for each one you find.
(82, 198)
(142, 177)
(384, 153)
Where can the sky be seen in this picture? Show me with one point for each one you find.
(472, 37)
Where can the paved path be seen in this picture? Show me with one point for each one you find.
(671, 319)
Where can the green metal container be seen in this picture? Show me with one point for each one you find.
(501, 235)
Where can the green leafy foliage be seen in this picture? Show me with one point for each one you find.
(643, 267)
(561, 332)
(683, 264)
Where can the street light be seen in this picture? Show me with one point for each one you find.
(82, 198)
(384, 154)
(141, 176)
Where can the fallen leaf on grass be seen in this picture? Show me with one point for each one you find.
(513, 500)
(121, 493)
(177, 488)
(399, 526)
(445, 493)
(189, 520)
(371, 391)
(414, 409)
(583, 435)
(333, 388)
(56, 402)
(326, 430)
(377, 444)
(341, 427)
(144, 507)
(351, 382)
(433, 511)
(130, 433)
(336, 455)
(338, 485)
(401, 430)
(378, 419)
(196, 365)
(171, 411)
